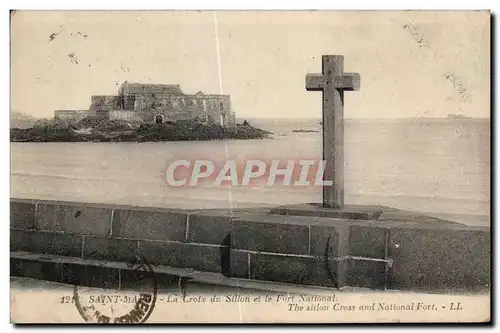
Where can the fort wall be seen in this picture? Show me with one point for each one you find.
(72, 115)
(128, 115)
(105, 102)
(208, 108)
(138, 102)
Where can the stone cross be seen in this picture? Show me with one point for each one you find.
(333, 82)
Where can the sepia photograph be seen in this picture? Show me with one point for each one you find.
(250, 167)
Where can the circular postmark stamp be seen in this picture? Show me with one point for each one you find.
(132, 303)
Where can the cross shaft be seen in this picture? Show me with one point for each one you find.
(333, 82)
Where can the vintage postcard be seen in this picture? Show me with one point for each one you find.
(250, 167)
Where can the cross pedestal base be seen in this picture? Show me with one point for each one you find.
(376, 213)
(349, 212)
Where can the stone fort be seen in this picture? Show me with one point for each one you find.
(156, 103)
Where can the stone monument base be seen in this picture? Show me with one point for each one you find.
(350, 212)
(372, 247)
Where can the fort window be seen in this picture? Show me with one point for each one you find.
(159, 119)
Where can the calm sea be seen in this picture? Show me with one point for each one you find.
(441, 167)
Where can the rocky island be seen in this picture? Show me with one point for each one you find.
(105, 130)
(142, 112)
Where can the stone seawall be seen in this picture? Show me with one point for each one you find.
(249, 244)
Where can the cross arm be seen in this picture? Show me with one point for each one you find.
(348, 81)
(314, 82)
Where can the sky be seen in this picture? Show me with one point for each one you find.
(412, 64)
